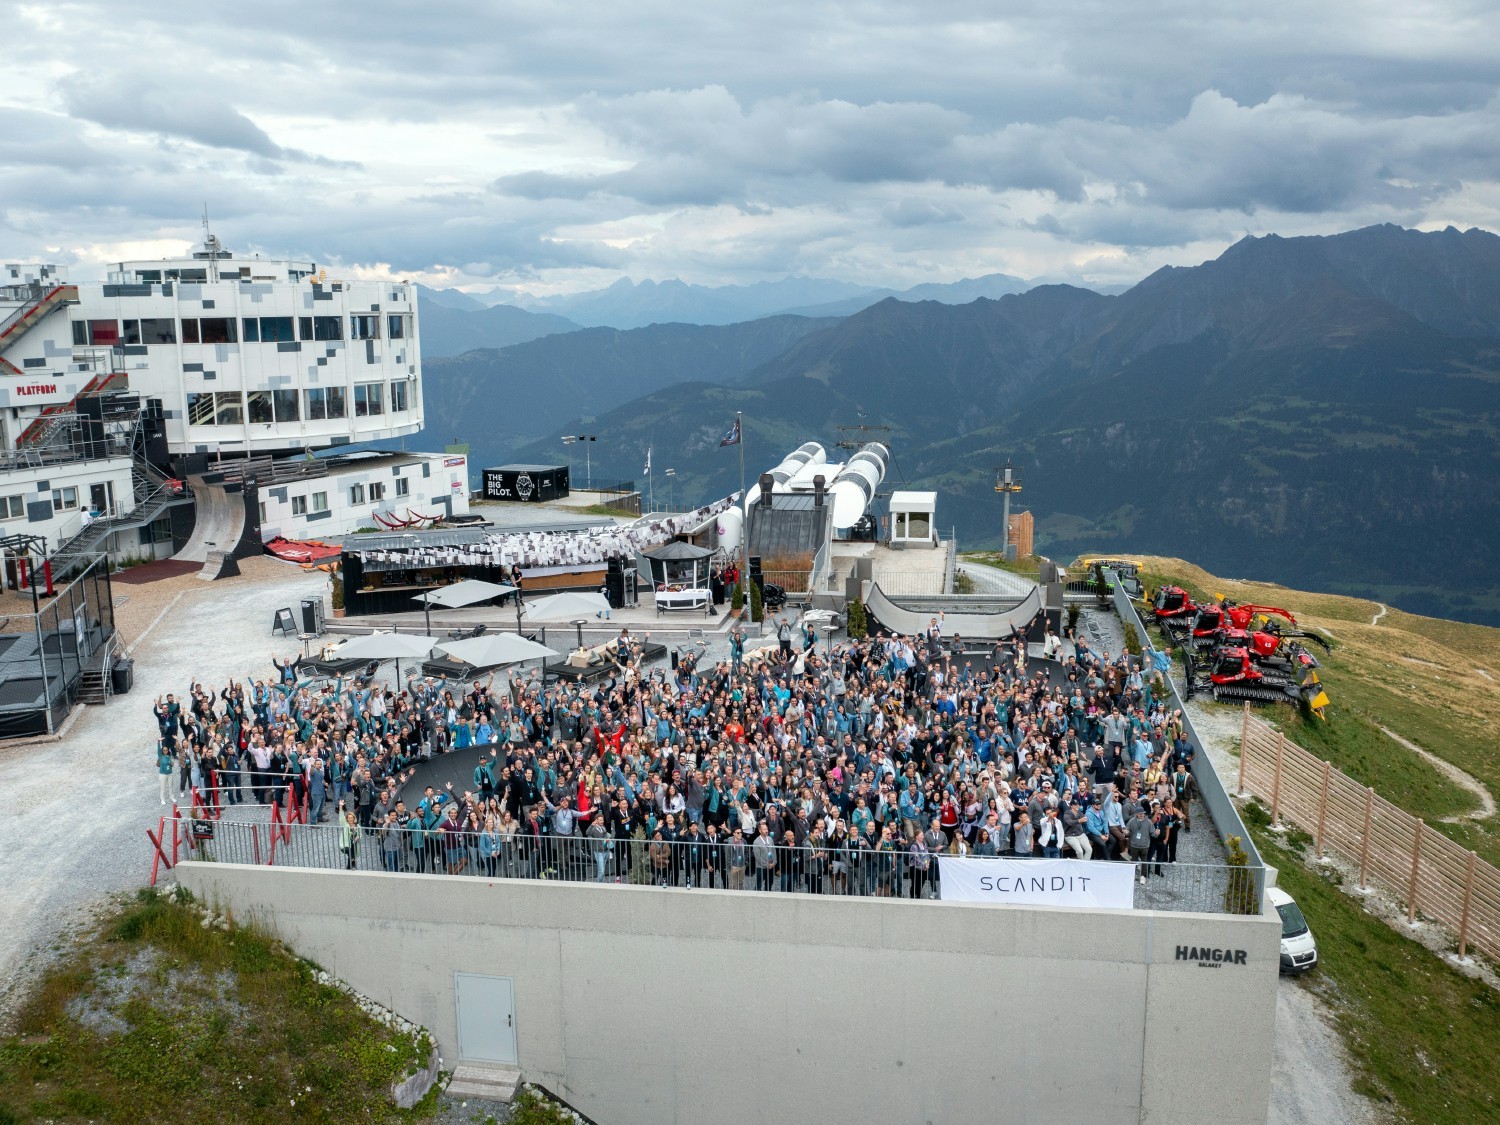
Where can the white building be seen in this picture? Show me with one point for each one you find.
(248, 359)
(335, 496)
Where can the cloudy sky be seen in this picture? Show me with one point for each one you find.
(560, 145)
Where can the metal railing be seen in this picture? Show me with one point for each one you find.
(910, 583)
(686, 864)
(1211, 788)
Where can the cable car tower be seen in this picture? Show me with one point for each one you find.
(1007, 481)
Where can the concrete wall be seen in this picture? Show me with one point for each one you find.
(646, 1005)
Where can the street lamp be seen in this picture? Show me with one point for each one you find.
(588, 456)
(672, 488)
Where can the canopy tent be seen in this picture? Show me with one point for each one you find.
(459, 594)
(680, 563)
(386, 646)
(495, 649)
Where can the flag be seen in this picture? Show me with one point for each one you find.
(647, 469)
(732, 436)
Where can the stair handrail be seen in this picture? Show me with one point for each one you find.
(26, 311)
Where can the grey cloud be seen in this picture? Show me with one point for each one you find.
(192, 112)
(45, 140)
(727, 142)
(913, 212)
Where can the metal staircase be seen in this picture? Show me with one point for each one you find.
(29, 315)
(51, 421)
(153, 494)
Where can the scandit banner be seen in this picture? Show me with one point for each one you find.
(1038, 882)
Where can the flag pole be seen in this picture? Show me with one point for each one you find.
(739, 423)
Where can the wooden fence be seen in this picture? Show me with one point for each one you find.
(1426, 870)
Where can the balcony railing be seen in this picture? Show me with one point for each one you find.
(225, 833)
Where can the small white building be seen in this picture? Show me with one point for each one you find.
(913, 519)
(329, 497)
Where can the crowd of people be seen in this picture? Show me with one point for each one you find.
(843, 767)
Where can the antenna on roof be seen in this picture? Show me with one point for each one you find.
(212, 248)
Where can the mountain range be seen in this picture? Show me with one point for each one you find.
(636, 304)
(1321, 411)
(500, 398)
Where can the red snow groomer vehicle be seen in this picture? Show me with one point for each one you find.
(1232, 673)
(1227, 623)
(1174, 610)
(1263, 669)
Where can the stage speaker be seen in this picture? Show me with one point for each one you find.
(755, 575)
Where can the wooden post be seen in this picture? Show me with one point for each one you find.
(1411, 891)
(1244, 745)
(1323, 806)
(1463, 923)
(1364, 837)
(1276, 782)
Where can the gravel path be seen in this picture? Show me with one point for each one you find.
(79, 807)
(1311, 1083)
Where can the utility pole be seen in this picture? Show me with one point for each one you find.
(1007, 481)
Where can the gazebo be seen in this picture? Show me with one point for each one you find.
(680, 576)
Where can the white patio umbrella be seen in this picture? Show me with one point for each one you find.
(495, 649)
(386, 646)
(459, 594)
(567, 606)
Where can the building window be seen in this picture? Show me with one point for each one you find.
(396, 326)
(65, 498)
(364, 326)
(259, 405)
(218, 330)
(398, 397)
(104, 333)
(200, 409)
(356, 494)
(286, 405)
(325, 402)
(321, 327)
(377, 492)
(80, 334)
(299, 505)
(268, 329)
(403, 486)
(157, 331)
(229, 410)
(368, 399)
(12, 507)
(320, 501)
(210, 330)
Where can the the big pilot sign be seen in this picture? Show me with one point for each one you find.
(1037, 882)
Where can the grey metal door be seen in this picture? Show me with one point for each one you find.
(486, 1018)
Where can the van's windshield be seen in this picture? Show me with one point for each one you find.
(1292, 922)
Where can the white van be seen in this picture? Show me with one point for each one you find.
(1299, 952)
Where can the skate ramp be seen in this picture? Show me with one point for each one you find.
(218, 529)
(913, 621)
